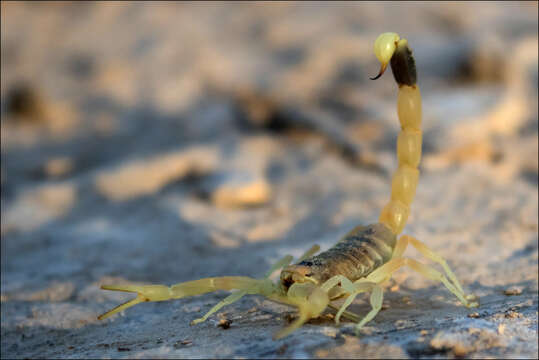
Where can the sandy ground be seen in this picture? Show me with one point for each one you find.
(165, 143)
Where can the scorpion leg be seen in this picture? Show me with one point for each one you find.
(226, 301)
(435, 275)
(429, 254)
(377, 297)
(349, 287)
(285, 261)
(313, 250)
(344, 282)
(384, 273)
(355, 289)
(345, 313)
(232, 298)
(239, 294)
(358, 289)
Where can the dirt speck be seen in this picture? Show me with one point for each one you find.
(182, 343)
(224, 323)
(513, 291)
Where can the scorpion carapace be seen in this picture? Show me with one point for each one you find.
(364, 259)
(362, 250)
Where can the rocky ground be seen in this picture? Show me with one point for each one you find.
(160, 143)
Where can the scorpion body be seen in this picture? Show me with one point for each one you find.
(355, 256)
(363, 259)
(366, 248)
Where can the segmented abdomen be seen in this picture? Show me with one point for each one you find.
(357, 254)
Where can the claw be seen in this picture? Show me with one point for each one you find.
(119, 308)
(311, 301)
(144, 293)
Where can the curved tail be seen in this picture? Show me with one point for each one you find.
(390, 48)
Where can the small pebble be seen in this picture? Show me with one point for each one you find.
(282, 349)
(224, 323)
(473, 315)
(59, 166)
(460, 350)
(182, 343)
(236, 194)
(512, 314)
(289, 317)
(513, 291)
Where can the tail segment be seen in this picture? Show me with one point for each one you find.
(404, 182)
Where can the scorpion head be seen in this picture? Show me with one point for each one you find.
(302, 290)
(297, 274)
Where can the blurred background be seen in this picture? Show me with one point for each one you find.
(163, 142)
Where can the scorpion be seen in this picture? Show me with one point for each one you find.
(361, 261)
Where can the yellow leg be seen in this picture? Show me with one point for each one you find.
(384, 272)
(313, 250)
(226, 301)
(354, 289)
(232, 298)
(435, 275)
(358, 289)
(285, 261)
(346, 284)
(347, 314)
(377, 297)
(429, 254)
(371, 283)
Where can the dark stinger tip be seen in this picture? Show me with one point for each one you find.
(382, 70)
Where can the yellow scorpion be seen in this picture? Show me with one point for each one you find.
(363, 259)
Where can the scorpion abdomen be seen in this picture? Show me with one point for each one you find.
(357, 254)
